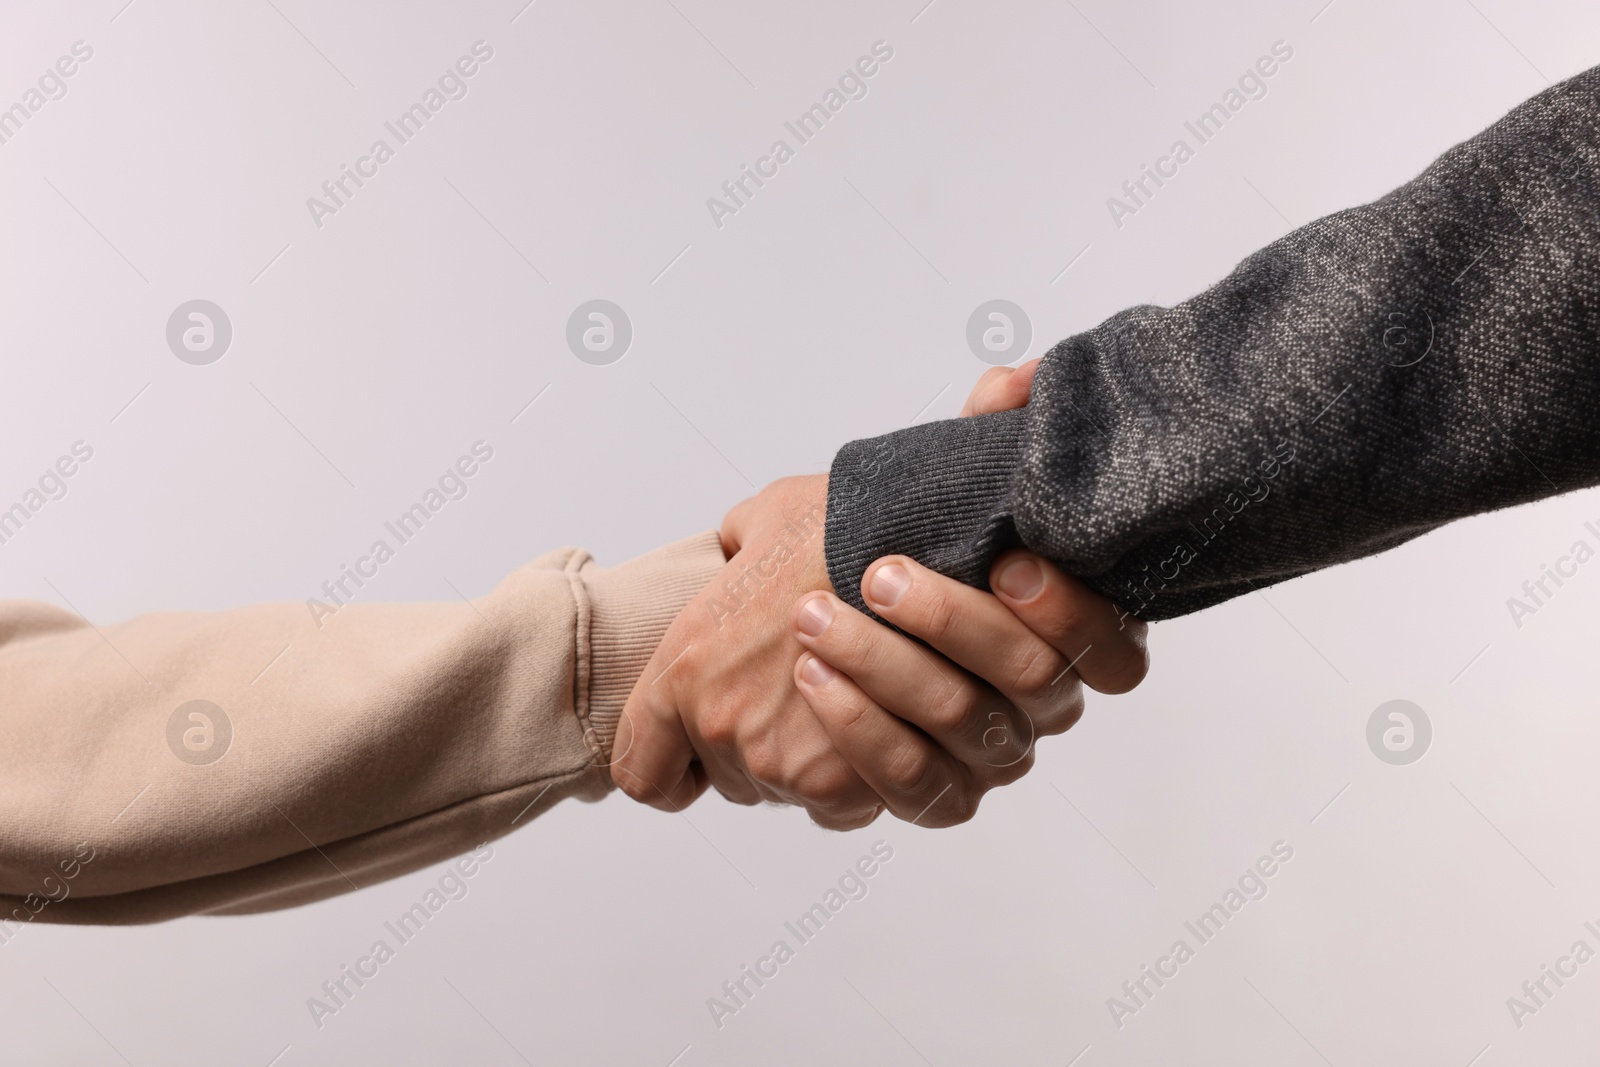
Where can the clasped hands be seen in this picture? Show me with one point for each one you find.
(768, 687)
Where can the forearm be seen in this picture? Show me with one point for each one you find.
(386, 738)
(1367, 378)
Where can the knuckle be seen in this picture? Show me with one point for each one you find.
(1070, 712)
(850, 712)
(840, 708)
(909, 770)
(1057, 616)
(830, 820)
(956, 806)
(1037, 668)
(825, 820)
(851, 647)
(1008, 750)
(938, 615)
(844, 821)
(953, 710)
(765, 763)
(828, 783)
(735, 793)
(1128, 670)
(964, 803)
(1061, 709)
(719, 727)
(1011, 771)
(967, 810)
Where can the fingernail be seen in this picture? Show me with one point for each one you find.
(1021, 579)
(889, 584)
(815, 672)
(815, 616)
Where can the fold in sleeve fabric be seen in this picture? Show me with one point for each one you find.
(1365, 379)
(246, 760)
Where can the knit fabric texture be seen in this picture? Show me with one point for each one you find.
(1365, 379)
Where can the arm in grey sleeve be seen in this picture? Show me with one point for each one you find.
(1365, 379)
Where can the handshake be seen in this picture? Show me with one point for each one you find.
(769, 687)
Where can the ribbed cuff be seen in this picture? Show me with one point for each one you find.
(630, 608)
(939, 493)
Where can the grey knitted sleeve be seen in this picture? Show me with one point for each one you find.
(1369, 377)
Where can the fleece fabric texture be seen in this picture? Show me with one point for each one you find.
(239, 761)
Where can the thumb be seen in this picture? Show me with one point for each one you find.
(653, 761)
(1001, 389)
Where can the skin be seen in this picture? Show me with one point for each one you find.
(930, 739)
(786, 694)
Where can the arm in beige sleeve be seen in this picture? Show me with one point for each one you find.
(353, 748)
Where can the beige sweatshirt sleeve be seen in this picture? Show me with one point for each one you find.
(260, 758)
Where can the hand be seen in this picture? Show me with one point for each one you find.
(716, 704)
(930, 739)
(713, 709)
(729, 700)
(859, 680)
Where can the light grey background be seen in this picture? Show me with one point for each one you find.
(427, 313)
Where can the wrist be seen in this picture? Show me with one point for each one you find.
(630, 607)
